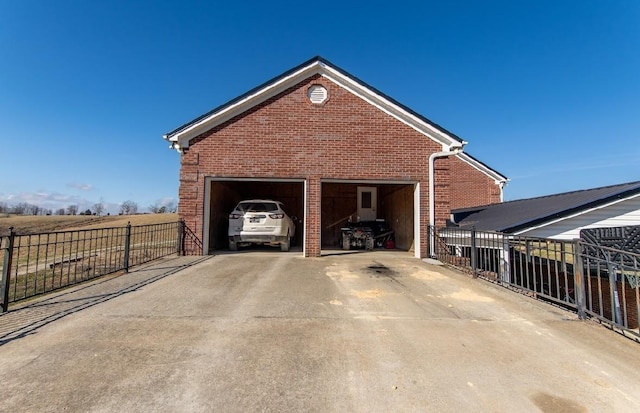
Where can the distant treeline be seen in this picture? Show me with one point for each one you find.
(126, 208)
(24, 208)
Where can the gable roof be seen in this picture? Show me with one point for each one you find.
(519, 215)
(180, 136)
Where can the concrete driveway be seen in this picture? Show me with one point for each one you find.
(273, 332)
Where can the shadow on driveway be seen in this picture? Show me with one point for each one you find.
(26, 319)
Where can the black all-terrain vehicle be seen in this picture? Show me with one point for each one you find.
(365, 235)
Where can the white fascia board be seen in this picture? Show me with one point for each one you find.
(182, 138)
(390, 108)
(577, 214)
(499, 179)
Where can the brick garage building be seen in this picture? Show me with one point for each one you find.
(331, 148)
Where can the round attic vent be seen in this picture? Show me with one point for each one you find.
(317, 94)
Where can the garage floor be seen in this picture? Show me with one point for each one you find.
(271, 331)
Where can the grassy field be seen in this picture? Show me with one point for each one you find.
(36, 224)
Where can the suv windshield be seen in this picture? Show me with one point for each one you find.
(257, 206)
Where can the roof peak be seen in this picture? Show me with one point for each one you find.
(181, 136)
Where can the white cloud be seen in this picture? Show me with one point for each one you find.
(167, 200)
(80, 186)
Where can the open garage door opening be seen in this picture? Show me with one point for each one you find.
(225, 194)
(386, 207)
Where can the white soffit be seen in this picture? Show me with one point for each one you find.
(482, 168)
(228, 112)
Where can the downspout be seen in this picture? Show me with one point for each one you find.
(501, 184)
(432, 202)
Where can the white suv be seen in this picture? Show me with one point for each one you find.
(260, 221)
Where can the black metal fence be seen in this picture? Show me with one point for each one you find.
(35, 264)
(593, 280)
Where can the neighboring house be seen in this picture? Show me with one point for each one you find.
(332, 148)
(559, 216)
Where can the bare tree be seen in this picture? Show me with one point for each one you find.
(128, 207)
(72, 209)
(98, 208)
(20, 208)
(60, 211)
(155, 208)
(32, 210)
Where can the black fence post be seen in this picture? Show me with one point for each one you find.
(474, 254)
(6, 269)
(181, 237)
(578, 279)
(127, 247)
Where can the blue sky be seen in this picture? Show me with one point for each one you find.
(545, 92)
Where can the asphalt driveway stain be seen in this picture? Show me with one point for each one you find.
(378, 270)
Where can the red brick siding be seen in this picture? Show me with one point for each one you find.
(442, 190)
(470, 187)
(288, 137)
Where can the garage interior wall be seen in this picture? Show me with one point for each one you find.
(398, 206)
(394, 205)
(223, 199)
(225, 195)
